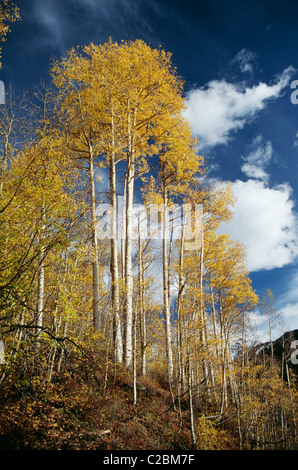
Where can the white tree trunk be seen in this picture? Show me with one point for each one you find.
(123, 230)
(94, 243)
(40, 294)
(166, 302)
(40, 288)
(128, 243)
(118, 346)
(141, 304)
(179, 325)
(191, 411)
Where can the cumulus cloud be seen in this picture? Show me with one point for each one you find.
(264, 217)
(264, 221)
(219, 109)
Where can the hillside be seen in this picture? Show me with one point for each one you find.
(83, 408)
(120, 297)
(75, 412)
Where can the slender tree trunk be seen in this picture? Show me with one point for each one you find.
(238, 412)
(41, 280)
(202, 317)
(134, 368)
(4, 162)
(231, 369)
(167, 312)
(118, 348)
(192, 426)
(179, 326)
(223, 358)
(40, 294)
(123, 229)
(213, 317)
(270, 332)
(62, 352)
(107, 361)
(94, 243)
(128, 240)
(142, 304)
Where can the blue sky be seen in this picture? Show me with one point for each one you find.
(239, 60)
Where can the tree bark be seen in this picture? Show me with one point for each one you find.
(191, 411)
(179, 326)
(142, 317)
(166, 299)
(128, 241)
(118, 346)
(94, 243)
(40, 287)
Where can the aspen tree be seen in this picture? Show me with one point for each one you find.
(146, 109)
(114, 251)
(190, 386)
(41, 277)
(46, 101)
(181, 285)
(142, 97)
(82, 118)
(217, 202)
(225, 264)
(267, 306)
(178, 164)
(39, 218)
(143, 100)
(141, 295)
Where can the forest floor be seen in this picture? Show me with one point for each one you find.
(75, 412)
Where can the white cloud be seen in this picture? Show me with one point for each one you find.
(290, 315)
(220, 108)
(260, 328)
(265, 223)
(286, 321)
(253, 171)
(261, 152)
(258, 158)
